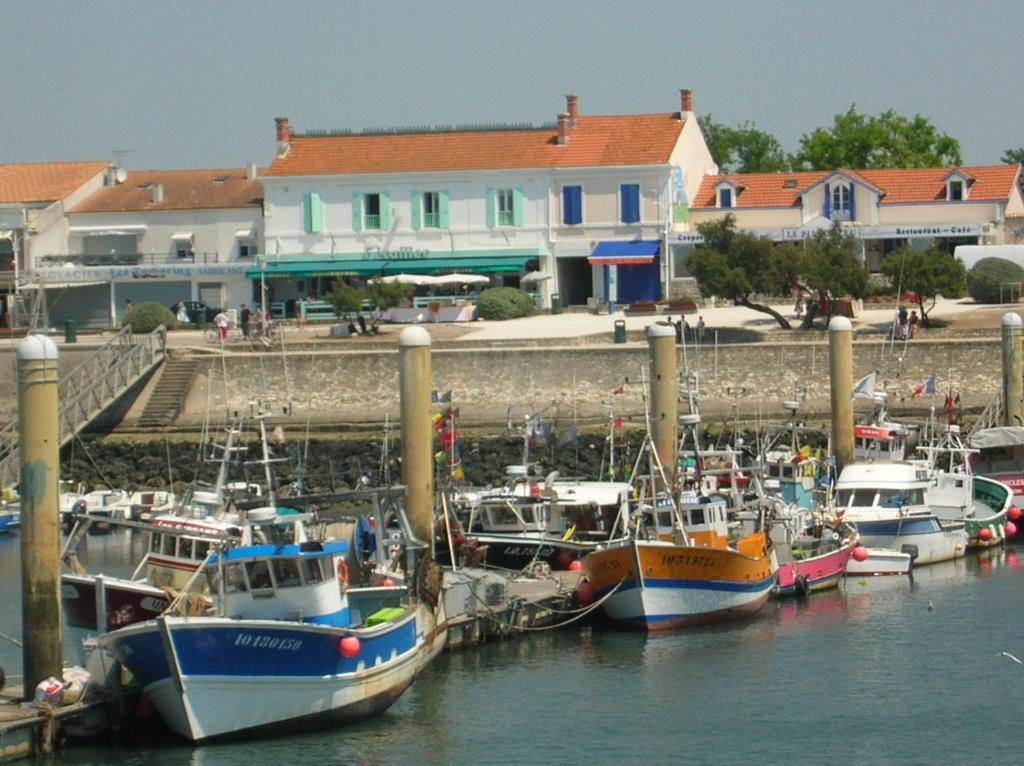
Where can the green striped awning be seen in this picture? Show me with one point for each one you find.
(476, 262)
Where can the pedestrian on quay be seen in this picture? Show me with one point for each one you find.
(700, 328)
(914, 325)
(243, 320)
(903, 321)
(128, 306)
(222, 322)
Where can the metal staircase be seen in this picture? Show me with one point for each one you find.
(90, 389)
(991, 416)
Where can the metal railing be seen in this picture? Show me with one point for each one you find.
(132, 259)
(90, 388)
(990, 417)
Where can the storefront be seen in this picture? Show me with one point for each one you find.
(630, 271)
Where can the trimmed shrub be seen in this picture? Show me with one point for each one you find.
(988, 275)
(147, 316)
(504, 303)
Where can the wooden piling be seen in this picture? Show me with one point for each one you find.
(417, 431)
(39, 444)
(661, 340)
(840, 349)
(1013, 369)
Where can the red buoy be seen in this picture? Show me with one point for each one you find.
(1014, 513)
(985, 534)
(575, 566)
(1010, 528)
(1012, 560)
(349, 647)
(585, 595)
(860, 553)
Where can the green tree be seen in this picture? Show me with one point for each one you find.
(889, 140)
(1013, 156)
(743, 149)
(831, 267)
(926, 273)
(386, 295)
(737, 265)
(346, 300)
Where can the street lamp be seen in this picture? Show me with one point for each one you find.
(665, 254)
(262, 258)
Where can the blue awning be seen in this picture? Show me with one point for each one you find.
(614, 253)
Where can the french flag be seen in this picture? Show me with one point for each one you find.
(929, 387)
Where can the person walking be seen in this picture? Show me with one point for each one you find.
(222, 322)
(914, 324)
(243, 320)
(903, 321)
(128, 306)
(700, 329)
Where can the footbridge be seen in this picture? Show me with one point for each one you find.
(91, 388)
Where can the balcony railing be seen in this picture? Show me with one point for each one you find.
(506, 218)
(128, 259)
(431, 220)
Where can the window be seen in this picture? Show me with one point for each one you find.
(246, 249)
(725, 197)
(431, 211)
(506, 207)
(840, 201)
(183, 249)
(371, 215)
(572, 205)
(234, 578)
(956, 191)
(629, 203)
(259, 575)
(313, 570)
(286, 573)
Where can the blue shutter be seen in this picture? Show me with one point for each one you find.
(853, 208)
(416, 210)
(827, 208)
(357, 212)
(518, 206)
(443, 204)
(629, 203)
(572, 205)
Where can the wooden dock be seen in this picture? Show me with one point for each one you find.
(485, 604)
(27, 731)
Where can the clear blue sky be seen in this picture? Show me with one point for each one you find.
(197, 84)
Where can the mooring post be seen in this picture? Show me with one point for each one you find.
(414, 376)
(1013, 385)
(661, 340)
(840, 349)
(39, 445)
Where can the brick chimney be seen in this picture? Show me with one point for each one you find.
(685, 100)
(563, 129)
(284, 135)
(572, 106)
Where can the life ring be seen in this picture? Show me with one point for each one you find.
(342, 575)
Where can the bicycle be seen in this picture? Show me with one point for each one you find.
(212, 334)
(265, 333)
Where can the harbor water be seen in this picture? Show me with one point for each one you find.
(882, 671)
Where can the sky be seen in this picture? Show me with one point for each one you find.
(198, 84)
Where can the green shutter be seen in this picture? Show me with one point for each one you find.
(314, 213)
(416, 214)
(385, 211)
(518, 205)
(357, 212)
(492, 208)
(442, 202)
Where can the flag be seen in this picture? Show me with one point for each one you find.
(929, 387)
(951, 407)
(434, 397)
(446, 396)
(620, 390)
(864, 388)
(617, 423)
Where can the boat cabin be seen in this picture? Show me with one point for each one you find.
(881, 486)
(889, 442)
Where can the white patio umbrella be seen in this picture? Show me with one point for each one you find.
(535, 276)
(409, 279)
(461, 279)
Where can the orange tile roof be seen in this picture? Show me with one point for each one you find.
(183, 190)
(44, 181)
(642, 139)
(992, 183)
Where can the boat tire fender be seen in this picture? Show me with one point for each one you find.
(342, 575)
(800, 585)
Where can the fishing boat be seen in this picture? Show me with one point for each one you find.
(874, 562)
(886, 503)
(812, 548)
(286, 647)
(10, 518)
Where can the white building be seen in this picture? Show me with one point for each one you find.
(589, 200)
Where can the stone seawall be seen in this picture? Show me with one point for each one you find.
(748, 380)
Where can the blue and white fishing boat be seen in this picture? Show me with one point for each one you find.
(287, 646)
(10, 518)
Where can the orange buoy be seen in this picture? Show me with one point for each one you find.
(349, 647)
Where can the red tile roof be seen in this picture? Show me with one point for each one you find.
(44, 181)
(644, 139)
(183, 190)
(992, 183)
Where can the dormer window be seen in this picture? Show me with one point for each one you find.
(955, 190)
(725, 196)
(839, 202)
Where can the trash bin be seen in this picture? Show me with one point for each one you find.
(620, 330)
(70, 331)
(556, 303)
